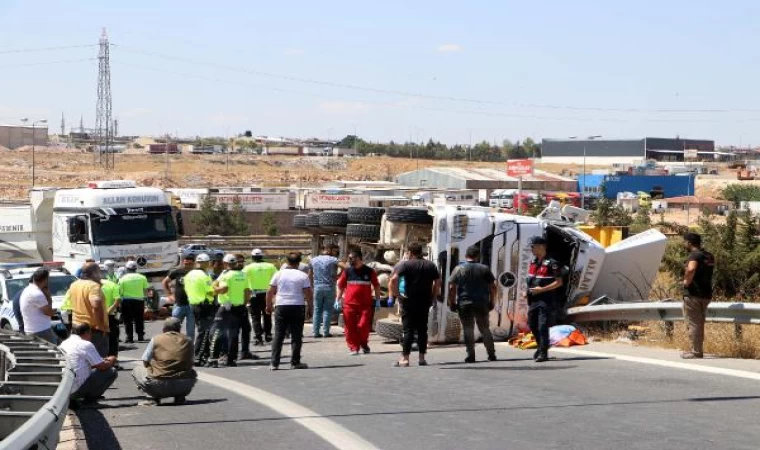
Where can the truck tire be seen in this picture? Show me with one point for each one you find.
(369, 216)
(414, 215)
(312, 220)
(333, 219)
(299, 221)
(389, 329)
(363, 231)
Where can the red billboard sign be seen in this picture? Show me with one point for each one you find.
(519, 167)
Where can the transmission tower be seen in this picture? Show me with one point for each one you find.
(103, 120)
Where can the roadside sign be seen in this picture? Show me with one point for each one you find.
(519, 167)
(256, 201)
(336, 201)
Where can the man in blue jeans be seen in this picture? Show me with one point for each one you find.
(174, 284)
(323, 272)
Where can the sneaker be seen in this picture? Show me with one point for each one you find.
(317, 336)
(328, 335)
(268, 338)
(535, 354)
(365, 349)
(542, 357)
(272, 368)
(469, 360)
(129, 341)
(353, 352)
(258, 343)
(691, 355)
(141, 339)
(179, 400)
(212, 365)
(248, 355)
(299, 366)
(231, 364)
(492, 357)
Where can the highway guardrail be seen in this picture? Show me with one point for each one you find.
(726, 312)
(35, 385)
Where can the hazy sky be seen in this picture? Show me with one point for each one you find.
(392, 69)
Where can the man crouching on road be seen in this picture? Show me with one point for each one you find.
(289, 290)
(167, 369)
(93, 375)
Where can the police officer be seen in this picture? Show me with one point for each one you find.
(200, 295)
(133, 289)
(232, 289)
(544, 282)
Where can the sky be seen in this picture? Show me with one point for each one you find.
(452, 71)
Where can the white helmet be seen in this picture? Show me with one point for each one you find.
(203, 257)
(229, 258)
(257, 252)
(109, 263)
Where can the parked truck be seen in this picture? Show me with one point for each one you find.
(106, 220)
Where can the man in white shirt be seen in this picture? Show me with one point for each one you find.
(37, 306)
(93, 375)
(291, 289)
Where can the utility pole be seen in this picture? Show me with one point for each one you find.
(103, 120)
(63, 125)
(166, 159)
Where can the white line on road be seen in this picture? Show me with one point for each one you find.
(335, 434)
(664, 363)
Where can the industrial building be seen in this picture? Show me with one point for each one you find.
(15, 136)
(485, 179)
(608, 152)
(612, 185)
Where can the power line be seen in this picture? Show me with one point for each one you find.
(44, 49)
(47, 63)
(423, 95)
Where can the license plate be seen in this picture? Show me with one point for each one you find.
(154, 265)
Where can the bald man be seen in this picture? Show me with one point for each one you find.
(89, 307)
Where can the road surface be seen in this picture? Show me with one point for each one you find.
(578, 400)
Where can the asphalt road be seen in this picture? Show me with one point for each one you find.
(342, 401)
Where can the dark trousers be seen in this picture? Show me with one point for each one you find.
(245, 330)
(96, 384)
(470, 315)
(540, 317)
(258, 311)
(204, 318)
(113, 336)
(227, 329)
(414, 320)
(288, 318)
(132, 311)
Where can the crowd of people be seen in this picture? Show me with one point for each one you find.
(221, 301)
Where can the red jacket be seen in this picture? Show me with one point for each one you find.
(357, 285)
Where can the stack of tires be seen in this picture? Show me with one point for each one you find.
(364, 223)
(409, 214)
(333, 221)
(299, 221)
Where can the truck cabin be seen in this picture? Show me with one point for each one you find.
(122, 226)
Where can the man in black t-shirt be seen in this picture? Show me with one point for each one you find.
(422, 284)
(174, 285)
(472, 291)
(697, 283)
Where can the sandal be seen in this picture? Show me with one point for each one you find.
(401, 364)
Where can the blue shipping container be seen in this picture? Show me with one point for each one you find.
(673, 185)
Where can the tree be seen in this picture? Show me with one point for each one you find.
(237, 219)
(207, 219)
(641, 220)
(738, 193)
(269, 224)
(218, 218)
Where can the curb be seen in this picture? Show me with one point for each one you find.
(71, 437)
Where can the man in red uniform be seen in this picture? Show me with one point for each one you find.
(355, 293)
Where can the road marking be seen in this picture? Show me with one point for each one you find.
(664, 363)
(335, 434)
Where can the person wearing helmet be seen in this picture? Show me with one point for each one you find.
(200, 296)
(109, 272)
(259, 273)
(232, 288)
(133, 288)
(245, 321)
(544, 281)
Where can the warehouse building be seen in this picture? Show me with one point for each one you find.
(15, 136)
(483, 179)
(627, 151)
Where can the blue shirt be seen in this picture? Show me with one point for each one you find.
(325, 269)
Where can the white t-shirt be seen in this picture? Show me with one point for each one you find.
(290, 285)
(32, 299)
(81, 355)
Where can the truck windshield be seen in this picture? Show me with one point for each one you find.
(134, 229)
(58, 285)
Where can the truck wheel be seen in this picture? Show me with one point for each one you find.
(299, 221)
(363, 231)
(312, 220)
(369, 216)
(333, 219)
(414, 215)
(390, 329)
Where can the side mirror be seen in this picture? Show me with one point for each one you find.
(77, 231)
(180, 224)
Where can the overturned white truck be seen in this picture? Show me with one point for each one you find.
(624, 271)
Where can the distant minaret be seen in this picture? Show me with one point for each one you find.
(116, 127)
(81, 124)
(63, 124)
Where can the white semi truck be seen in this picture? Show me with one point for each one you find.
(624, 271)
(106, 220)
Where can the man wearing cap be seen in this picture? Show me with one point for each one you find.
(200, 296)
(110, 269)
(259, 273)
(232, 289)
(544, 281)
(167, 366)
(112, 297)
(133, 287)
(174, 285)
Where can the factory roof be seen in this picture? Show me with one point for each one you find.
(488, 174)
